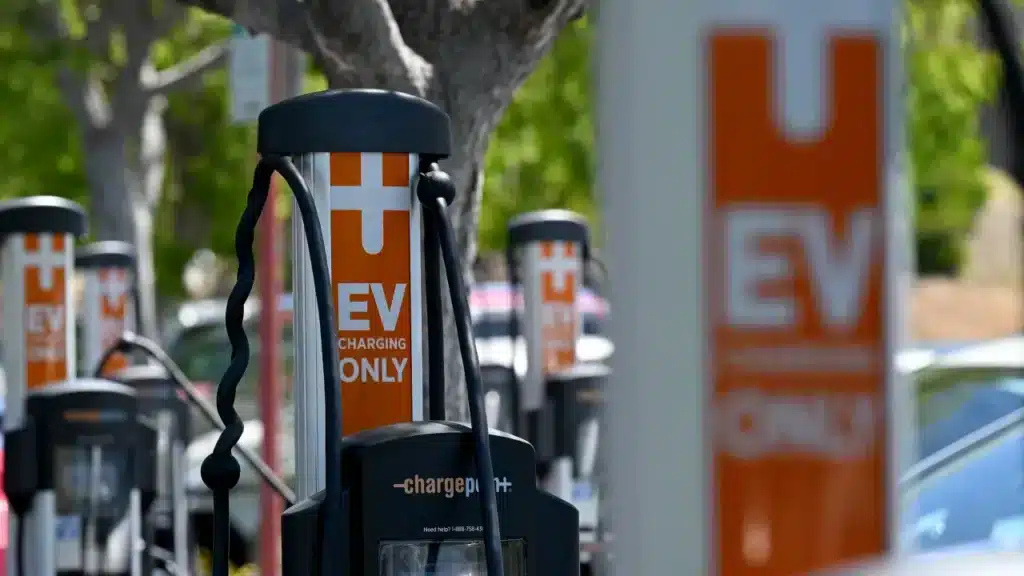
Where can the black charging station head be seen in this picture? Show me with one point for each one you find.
(426, 470)
(73, 418)
(548, 225)
(42, 215)
(106, 254)
(354, 121)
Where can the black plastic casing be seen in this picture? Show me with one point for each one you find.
(85, 413)
(21, 482)
(574, 396)
(390, 498)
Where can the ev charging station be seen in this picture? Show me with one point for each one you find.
(166, 525)
(372, 203)
(108, 300)
(546, 252)
(38, 238)
(95, 460)
(763, 254)
(61, 435)
(546, 256)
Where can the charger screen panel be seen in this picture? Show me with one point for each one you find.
(447, 558)
(90, 478)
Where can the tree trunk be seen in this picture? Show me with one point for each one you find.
(120, 211)
(466, 167)
(468, 57)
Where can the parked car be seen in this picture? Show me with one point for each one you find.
(197, 341)
(966, 487)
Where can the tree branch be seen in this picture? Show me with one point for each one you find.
(188, 74)
(365, 34)
(358, 42)
(286, 20)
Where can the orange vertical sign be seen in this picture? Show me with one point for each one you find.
(371, 264)
(45, 314)
(798, 343)
(114, 292)
(559, 277)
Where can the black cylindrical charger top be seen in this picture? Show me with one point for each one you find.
(548, 225)
(106, 254)
(354, 121)
(42, 215)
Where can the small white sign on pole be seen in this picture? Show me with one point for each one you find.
(249, 75)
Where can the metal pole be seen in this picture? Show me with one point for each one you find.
(270, 339)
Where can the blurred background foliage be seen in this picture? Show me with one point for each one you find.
(542, 154)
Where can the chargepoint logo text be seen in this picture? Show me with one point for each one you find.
(450, 487)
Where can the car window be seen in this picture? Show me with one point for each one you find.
(204, 353)
(977, 493)
(956, 403)
(978, 498)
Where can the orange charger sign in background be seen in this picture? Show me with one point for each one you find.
(45, 314)
(559, 267)
(797, 285)
(113, 294)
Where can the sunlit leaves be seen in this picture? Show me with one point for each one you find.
(42, 144)
(541, 155)
(949, 79)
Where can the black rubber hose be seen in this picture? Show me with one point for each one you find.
(219, 468)
(328, 338)
(19, 544)
(436, 202)
(435, 319)
(130, 342)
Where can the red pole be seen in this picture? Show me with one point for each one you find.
(270, 350)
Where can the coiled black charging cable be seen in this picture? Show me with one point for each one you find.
(220, 470)
(130, 342)
(435, 191)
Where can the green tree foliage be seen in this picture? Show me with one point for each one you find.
(542, 154)
(40, 154)
(209, 161)
(949, 80)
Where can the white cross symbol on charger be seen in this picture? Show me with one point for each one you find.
(560, 265)
(502, 484)
(371, 199)
(46, 260)
(112, 287)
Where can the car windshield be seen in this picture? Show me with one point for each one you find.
(204, 352)
(968, 484)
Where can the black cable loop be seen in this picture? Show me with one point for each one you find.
(435, 190)
(220, 469)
